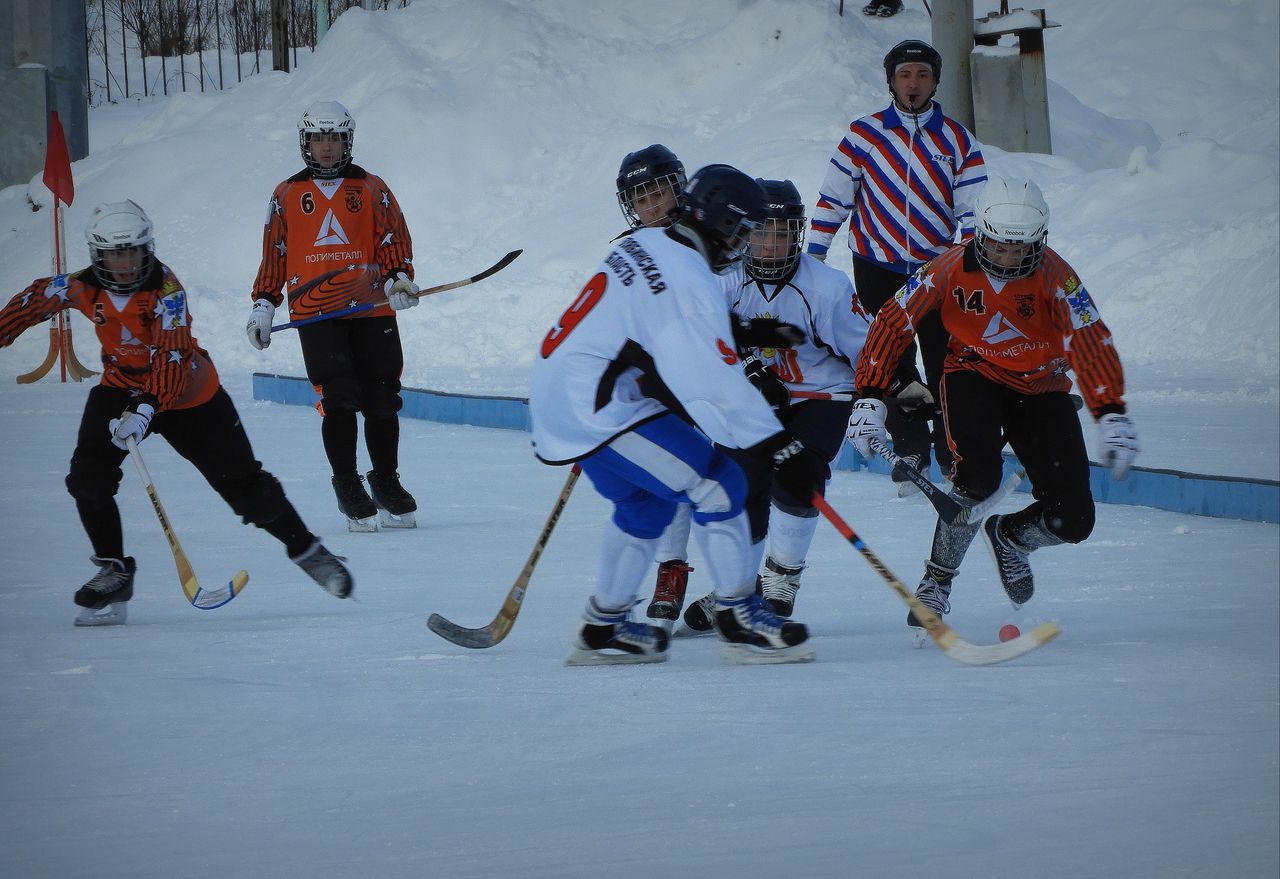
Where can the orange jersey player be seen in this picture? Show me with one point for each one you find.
(336, 216)
(1018, 319)
(155, 379)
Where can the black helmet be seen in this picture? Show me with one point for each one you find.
(913, 52)
(722, 206)
(644, 172)
(783, 212)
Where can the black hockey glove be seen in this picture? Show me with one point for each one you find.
(767, 383)
(764, 332)
(799, 471)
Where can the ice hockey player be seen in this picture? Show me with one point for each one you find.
(776, 280)
(155, 379)
(1018, 318)
(894, 226)
(330, 215)
(654, 306)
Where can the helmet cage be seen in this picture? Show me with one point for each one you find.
(771, 267)
(121, 228)
(326, 117)
(672, 183)
(1010, 212)
(722, 206)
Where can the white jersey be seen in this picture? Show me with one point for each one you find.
(818, 299)
(652, 304)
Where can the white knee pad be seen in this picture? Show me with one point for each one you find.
(726, 549)
(624, 563)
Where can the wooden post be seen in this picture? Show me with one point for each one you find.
(279, 35)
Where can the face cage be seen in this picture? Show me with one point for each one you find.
(106, 277)
(775, 269)
(627, 196)
(733, 246)
(310, 160)
(1025, 267)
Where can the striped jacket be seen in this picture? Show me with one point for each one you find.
(147, 346)
(1024, 334)
(867, 178)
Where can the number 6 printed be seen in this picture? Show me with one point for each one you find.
(574, 314)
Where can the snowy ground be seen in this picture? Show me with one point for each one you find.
(289, 734)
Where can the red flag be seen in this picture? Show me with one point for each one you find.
(57, 163)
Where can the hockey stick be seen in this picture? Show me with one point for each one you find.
(943, 635)
(427, 291)
(948, 510)
(488, 636)
(204, 599)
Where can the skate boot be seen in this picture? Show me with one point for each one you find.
(934, 592)
(105, 598)
(395, 505)
(906, 487)
(355, 503)
(668, 594)
(754, 634)
(700, 617)
(607, 637)
(326, 569)
(779, 584)
(1012, 561)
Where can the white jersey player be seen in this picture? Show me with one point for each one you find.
(654, 305)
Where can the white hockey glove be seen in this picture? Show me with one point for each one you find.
(1119, 444)
(865, 424)
(401, 292)
(133, 422)
(259, 326)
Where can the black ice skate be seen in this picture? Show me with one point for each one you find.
(355, 503)
(104, 599)
(1012, 561)
(326, 569)
(699, 617)
(607, 637)
(668, 593)
(883, 8)
(934, 593)
(779, 584)
(754, 634)
(395, 505)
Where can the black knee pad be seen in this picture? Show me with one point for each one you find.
(1070, 519)
(258, 500)
(94, 487)
(343, 394)
(381, 399)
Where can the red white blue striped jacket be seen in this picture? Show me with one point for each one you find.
(867, 179)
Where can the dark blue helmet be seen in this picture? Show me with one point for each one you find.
(775, 248)
(645, 181)
(913, 52)
(722, 206)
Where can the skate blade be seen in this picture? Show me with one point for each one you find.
(583, 657)
(111, 615)
(745, 654)
(362, 526)
(685, 632)
(391, 520)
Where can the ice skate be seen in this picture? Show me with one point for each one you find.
(779, 584)
(934, 592)
(396, 507)
(326, 569)
(104, 599)
(755, 635)
(355, 503)
(607, 637)
(699, 618)
(1012, 562)
(668, 593)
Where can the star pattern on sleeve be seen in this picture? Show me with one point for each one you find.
(280, 247)
(175, 356)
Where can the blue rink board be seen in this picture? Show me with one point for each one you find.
(1226, 497)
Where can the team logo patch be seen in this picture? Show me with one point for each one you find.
(172, 310)
(1083, 311)
(1026, 303)
(353, 201)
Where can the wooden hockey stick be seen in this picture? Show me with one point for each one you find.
(49, 359)
(488, 636)
(202, 598)
(943, 635)
(427, 291)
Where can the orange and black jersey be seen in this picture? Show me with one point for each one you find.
(1024, 334)
(147, 346)
(351, 225)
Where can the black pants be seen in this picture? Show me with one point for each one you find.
(820, 425)
(210, 436)
(911, 436)
(1043, 431)
(356, 364)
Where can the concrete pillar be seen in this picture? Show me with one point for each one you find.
(952, 36)
(1010, 89)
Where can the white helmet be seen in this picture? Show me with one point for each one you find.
(121, 226)
(326, 117)
(1012, 211)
